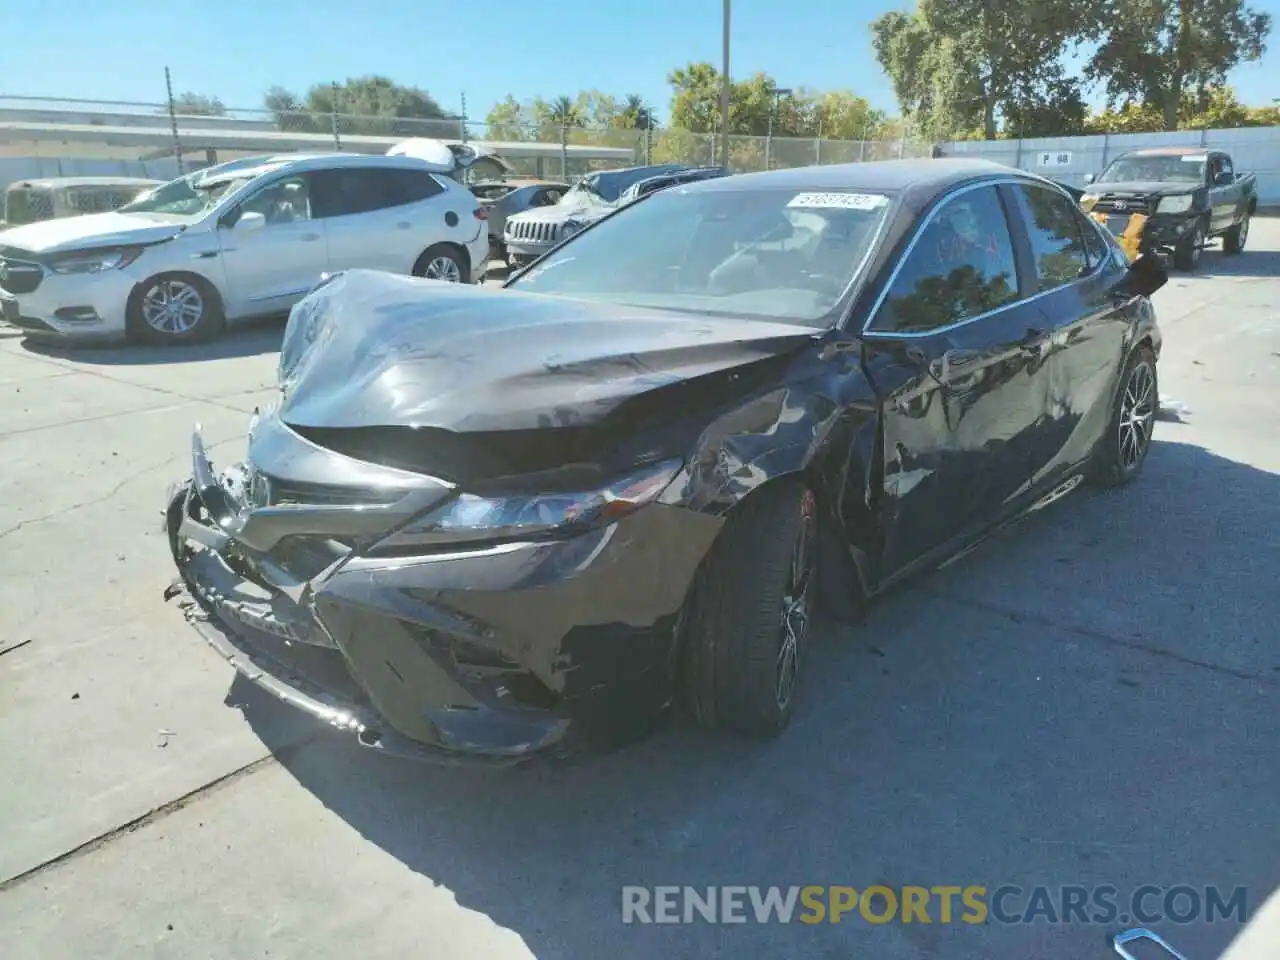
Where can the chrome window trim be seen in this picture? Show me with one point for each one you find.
(867, 333)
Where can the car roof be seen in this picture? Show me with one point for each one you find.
(324, 161)
(1166, 151)
(930, 175)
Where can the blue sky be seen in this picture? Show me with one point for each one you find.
(236, 49)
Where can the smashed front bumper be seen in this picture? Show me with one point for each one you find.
(491, 654)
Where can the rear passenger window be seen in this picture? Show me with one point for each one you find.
(960, 266)
(411, 186)
(1057, 239)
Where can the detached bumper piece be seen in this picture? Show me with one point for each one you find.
(279, 589)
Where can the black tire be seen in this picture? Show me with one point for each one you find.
(432, 265)
(1233, 240)
(737, 673)
(1186, 255)
(1114, 464)
(141, 321)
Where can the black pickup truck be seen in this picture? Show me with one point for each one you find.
(1190, 196)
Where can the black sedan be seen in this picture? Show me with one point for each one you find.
(486, 523)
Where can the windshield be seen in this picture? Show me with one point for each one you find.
(184, 196)
(491, 191)
(1182, 169)
(778, 254)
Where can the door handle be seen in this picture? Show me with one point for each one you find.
(403, 225)
(307, 237)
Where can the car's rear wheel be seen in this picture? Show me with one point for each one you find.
(1235, 238)
(173, 308)
(747, 624)
(441, 262)
(1123, 450)
(1186, 255)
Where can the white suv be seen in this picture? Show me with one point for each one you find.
(182, 261)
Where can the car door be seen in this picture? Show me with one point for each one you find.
(270, 266)
(953, 350)
(381, 218)
(1224, 195)
(1077, 281)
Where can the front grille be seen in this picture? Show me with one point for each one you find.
(1122, 205)
(276, 492)
(536, 230)
(19, 276)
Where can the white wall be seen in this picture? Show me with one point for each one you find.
(13, 169)
(1253, 150)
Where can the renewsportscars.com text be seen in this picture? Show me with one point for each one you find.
(973, 904)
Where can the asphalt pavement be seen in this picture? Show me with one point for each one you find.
(1087, 700)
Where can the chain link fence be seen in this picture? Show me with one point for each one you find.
(86, 135)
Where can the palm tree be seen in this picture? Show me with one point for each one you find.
(637, 115)
(564, 112)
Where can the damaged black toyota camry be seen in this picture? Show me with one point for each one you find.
(483, 524)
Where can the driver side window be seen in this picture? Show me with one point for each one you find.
(960, 266)
(287, 200)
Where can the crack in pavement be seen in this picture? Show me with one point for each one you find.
(111, 493)
(1021, 616)
(142, 386)
(78, 420)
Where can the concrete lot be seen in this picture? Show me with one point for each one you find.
(1088, 700)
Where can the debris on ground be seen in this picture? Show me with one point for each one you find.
(1171, 409)
(10, 647)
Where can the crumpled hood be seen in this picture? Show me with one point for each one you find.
(396, 351)
(1142, 188)
(564, 210)
(93, 231)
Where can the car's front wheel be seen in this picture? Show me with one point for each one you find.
(747, 624)
(1235, 238)
(1186, 255)
(173, 308)
(1123, 450)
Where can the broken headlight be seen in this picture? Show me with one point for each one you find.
(469, 518)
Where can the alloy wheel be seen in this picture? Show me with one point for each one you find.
(443, 268)
(796, 604)
(1137, 414)
(173, 307)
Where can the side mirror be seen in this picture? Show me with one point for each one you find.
(249, 221)
(1223, 180)
(1089, 178)
(1146, 275)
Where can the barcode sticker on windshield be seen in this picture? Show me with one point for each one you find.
(838, 201)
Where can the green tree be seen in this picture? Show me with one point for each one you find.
(198, 105)
(508, 121)
(634, 114)
(1157, 51)
(695, 104)
(954, 62)
(368, 105)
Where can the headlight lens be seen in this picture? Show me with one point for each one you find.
(571, 227)
(471, 518)
(1175, 204)
(99, 261)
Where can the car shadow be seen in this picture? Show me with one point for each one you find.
(1249, 264)
(943, 741)
(251, 339)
